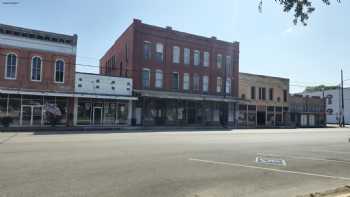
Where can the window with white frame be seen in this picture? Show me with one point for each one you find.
(187, 55)
(229, 65)
(196, 81)
(159, 52)
(228, 86)
(36, 69)
(186, 84)
(159, 78)
(11, 66)
(218, 84)
(146, 75)
(206, 59)
(219, 60)
(196, 57)
(176, 54)
(205, 83)
(59, 71)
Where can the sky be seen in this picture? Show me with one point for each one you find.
(270, 44)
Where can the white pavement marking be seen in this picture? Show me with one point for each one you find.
(269, 169)
(330, 151)
(303, 157)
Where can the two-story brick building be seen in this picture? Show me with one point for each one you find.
(37, 70)
(38, 79)
(264, 101)
(179, 78)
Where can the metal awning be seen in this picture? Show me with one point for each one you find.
(59, 94)
(186, 96)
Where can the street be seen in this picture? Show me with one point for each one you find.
(276, 162)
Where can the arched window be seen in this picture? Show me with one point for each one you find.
(59, 71)
(11, 66)
(36, 69)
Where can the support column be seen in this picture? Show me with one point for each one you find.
(274, 115)
(130, 112)
(282, 115)
(266, 111)
(247, 112)
(75, 111)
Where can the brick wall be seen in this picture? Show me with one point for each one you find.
(47, 83)
(139, 32)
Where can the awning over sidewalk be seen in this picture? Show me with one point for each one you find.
(186, 96)
(61, 94)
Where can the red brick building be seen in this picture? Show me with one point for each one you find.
(180, 78)
(37, 70)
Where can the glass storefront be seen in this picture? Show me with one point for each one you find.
(102, 112)
(29, 110)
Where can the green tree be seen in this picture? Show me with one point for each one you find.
(302, 8)
(319, 88)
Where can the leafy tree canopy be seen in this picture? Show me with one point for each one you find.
(302, 8)
(319, 88)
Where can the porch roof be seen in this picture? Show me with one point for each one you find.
(186, 96)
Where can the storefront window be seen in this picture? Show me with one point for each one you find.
(109, 113)
(84, 112)
(122, 113)
(15, 109)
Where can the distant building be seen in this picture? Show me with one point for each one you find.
(306, 111)
(179, 78)
(333, 104)
(264, 101)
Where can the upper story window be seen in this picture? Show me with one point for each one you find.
(252, 92)
(159, 79)
(186, 85)
(195, 82)
(159, 52)
(187, 55)
(329, 98)
(196, 57)
(146, 76)
(228, 86)
(147, 50)
(285, 95)
(59, 71)
(219, 61)
(206, 59)
(175, 80)
(11, 66)
(229, 69)
(218, 84)
(205, 83)
(36, 69)
(262, 93)
(176, 54)
(271, 94)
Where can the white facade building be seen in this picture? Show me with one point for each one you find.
(102, 100)
(333, 104)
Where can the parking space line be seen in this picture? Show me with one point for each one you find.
(303, 158)
(269, 169)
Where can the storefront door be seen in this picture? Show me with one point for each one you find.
(32, 115)
(97, 115)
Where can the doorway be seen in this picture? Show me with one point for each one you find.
(97, 116)
(32, 115)
(261, 118)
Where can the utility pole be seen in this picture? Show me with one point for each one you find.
(342, 99)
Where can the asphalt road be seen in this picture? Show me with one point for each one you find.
(186, 164)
